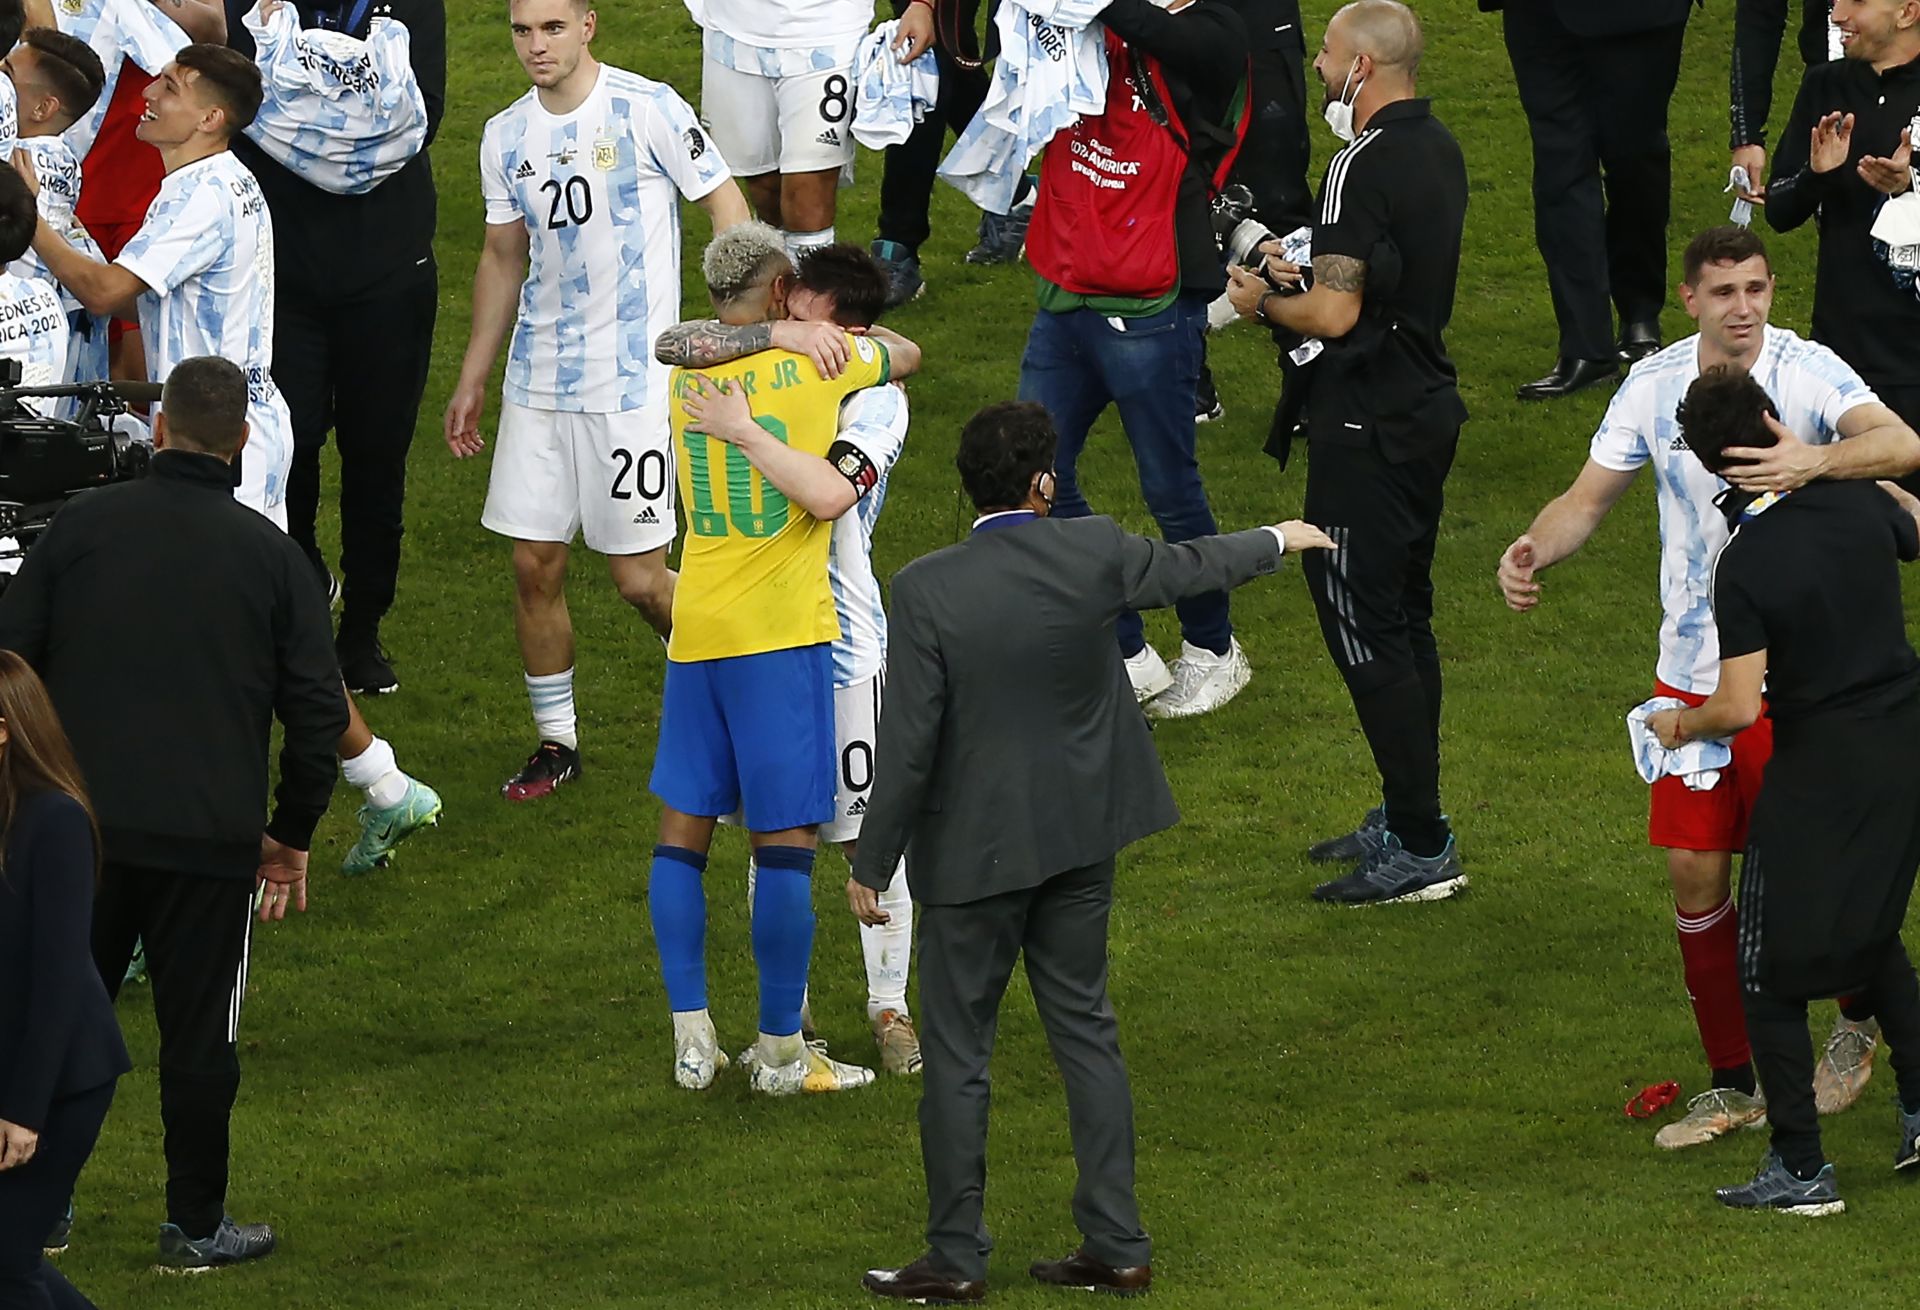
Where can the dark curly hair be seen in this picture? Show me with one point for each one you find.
(1724, 407)
(1001, 449)
(851, 276)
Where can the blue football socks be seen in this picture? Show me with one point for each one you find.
(678, 903)
(782, 935)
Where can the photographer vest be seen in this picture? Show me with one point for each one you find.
(1103, 223)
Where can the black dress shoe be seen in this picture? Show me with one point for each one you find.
(1638, 340)
(1090, 1275)
(924, 1283)
(1568, 376)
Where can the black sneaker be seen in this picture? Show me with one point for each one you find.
(1775, 1188)
(1394, 874)
(364, 665)
(545, 769)
(231, 1244)
(902, 268)
(56, 1241)
(1352, 847)
(1004, 236)
(1905, 1158)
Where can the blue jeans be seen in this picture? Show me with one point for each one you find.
(1078, 363)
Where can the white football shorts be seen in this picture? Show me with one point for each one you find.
(798, 124)
(606, 477)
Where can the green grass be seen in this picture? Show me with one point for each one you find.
(456, 1070)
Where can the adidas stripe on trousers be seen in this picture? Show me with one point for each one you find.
(197, 931)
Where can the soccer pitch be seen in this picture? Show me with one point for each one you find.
(457, 1088)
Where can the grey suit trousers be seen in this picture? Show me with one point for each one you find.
(967, 954)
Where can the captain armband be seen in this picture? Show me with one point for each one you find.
(852, 464)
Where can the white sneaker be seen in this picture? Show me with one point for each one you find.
(812, 1071)
(697, 1057)
(1148, 674)
(1202, 681)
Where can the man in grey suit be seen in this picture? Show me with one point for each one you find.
(1014, 760)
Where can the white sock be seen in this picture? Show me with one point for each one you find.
(552, 697)
(696, 1025)
(374, 772)
(799, 243)
(888, 948)
(776, 1051)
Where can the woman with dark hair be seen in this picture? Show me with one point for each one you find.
(60, 1047)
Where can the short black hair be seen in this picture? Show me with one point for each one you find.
(1725, 407)
(13, 20)
(1001, 449)
(233, 78)
(851, 276)
(1726, 244)
(73, 71)
(205, 403)
(19, 215)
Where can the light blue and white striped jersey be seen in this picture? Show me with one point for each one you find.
(59, 173)
(875, 420)
(599, 192)
(341, 113)
(9, 118)
(117, 30)
(787, 24)
(33, 329)
(58, 169)
(1811, 387)
(779, 61)
(205, 252)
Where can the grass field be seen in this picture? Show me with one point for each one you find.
(457, 1088)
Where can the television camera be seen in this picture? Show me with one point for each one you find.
(46, 461)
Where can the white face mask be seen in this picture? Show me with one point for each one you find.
(1339, 111)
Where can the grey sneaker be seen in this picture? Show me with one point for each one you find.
(137, 966)
(1846, 1064)
(1714, 1113)
(902, 268)
(1352, 847)
(1004, 236)
(1393, 874)
(230, 1244)
(1909, 1153)
(1775, 1188)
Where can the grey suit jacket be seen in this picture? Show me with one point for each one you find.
(1010, 746)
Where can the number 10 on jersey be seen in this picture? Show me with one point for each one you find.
(745, 487)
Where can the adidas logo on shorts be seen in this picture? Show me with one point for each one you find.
(828, 138)
(525, 170)
(858, 807)
(647, 516)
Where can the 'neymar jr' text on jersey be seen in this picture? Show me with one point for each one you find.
(753, 576)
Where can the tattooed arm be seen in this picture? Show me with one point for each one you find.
(1330, 308)
(704, 343)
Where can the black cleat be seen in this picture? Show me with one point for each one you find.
(364, 665)
(545, 769)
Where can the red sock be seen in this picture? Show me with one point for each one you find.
(1709, 955)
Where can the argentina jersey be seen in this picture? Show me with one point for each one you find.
(118, 30)
(1810, 386)
(599, 193)
(875, 421)
(33, 329)
(205, 252)
(338, 112)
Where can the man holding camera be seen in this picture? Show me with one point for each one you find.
(1383, 416)
(1123, 242)
(172, 563)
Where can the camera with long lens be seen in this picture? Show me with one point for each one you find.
(1240, 234)
(1238, 229)
(46, 461)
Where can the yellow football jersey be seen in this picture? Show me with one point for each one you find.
(753, 572)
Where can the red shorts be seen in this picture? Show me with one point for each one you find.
(1680, 818)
